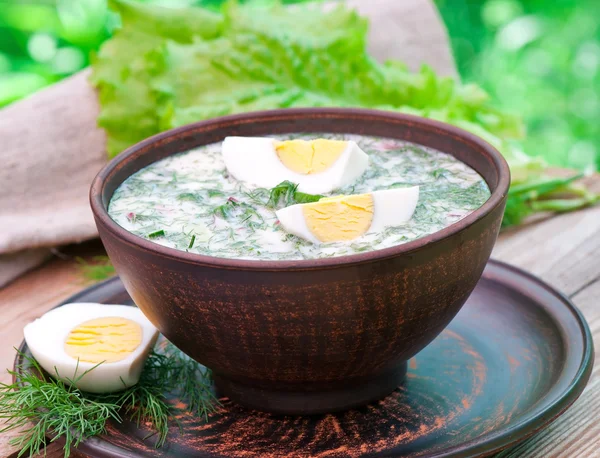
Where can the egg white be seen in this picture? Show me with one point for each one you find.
(391, 207)
(46, 338)
(254, 160)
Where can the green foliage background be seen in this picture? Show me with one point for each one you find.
(538, 58)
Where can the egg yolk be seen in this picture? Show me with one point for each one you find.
(107, 339)
(339, 218)
(307, 157)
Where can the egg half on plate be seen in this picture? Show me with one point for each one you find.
(317, 166)
(344, 218)
(99, 348)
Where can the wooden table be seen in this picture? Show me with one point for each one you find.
(563, 250)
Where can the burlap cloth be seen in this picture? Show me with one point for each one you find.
(51, 148)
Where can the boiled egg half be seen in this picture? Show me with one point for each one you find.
(317, 166)
(344, 218)
(98, 348)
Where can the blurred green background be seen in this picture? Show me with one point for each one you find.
(537, 58)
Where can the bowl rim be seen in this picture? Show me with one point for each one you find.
(364, 115)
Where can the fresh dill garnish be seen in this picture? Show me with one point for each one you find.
(439, 173)
(58, 409)
(286, 193)
(190, 196)
(215, 193)
(193, 382)
(97, 268)
(258, 196)
(239, 220)
(192, 242)
(399, 184)
(153, 235)
(304, 198)
(234, 208)
(53, 407)
(225, 211)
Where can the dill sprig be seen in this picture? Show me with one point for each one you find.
(62, 411)
(193, 382)
(234, 208)
(53, 406)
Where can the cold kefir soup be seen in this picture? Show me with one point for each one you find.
(297, 197)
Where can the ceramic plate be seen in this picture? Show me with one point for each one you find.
(515, 358)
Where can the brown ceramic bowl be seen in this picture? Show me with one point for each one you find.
(317, 335)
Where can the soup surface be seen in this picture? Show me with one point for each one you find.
(188, 201)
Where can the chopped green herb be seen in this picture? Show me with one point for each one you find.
(235, 220)
(156, 234)
(225, 211)
(438, 173)
(542, 186)
(241, 211)
(190, 196)
(303, 198)
(400, 184)
(215, 193)
(258, 196)
(286, 193)
(192, 242)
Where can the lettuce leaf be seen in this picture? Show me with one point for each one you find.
(126, 64)
(169, 67)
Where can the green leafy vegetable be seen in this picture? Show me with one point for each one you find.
(97, 268)
(286, 193)
(282, 195)
(542, 186)
(155, 74)
(191, 380)
(57, 408)
(193, 197)
(215, 193)
(225, 211)
(234, 208)
(303, 198)
(545, 194)
(152, 76)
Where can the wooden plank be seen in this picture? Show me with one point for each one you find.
(52, 451)
(29, 297)
(563, 250)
